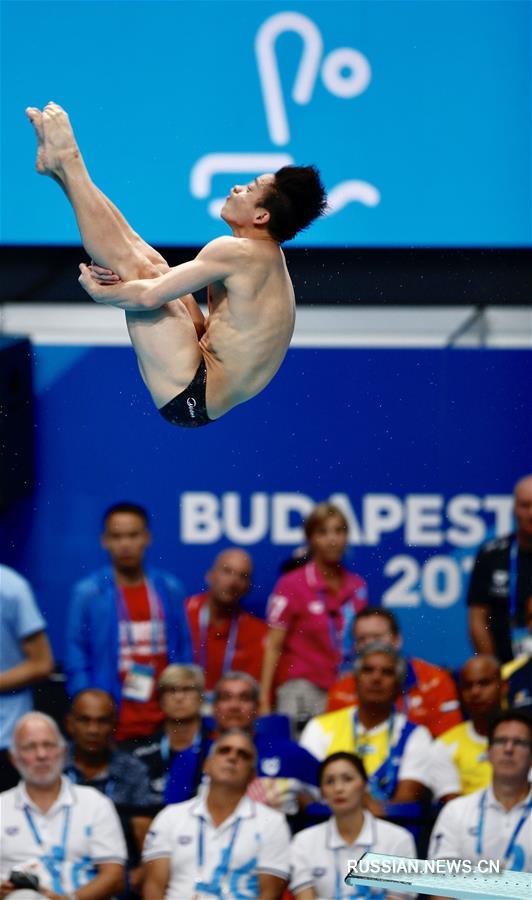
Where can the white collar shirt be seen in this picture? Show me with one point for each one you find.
(206, 861)
(319, 856)
(64, 845)
(334, 731)
(463, 831)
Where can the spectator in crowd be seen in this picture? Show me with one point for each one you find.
(458, 760)
(501, 581)
(93, 761)
(319, 855)
(224, 636)
(287, 775)
(393, 749)
(25, 658)
(181, 746)
(125, 624)
(310, 615)
(220, 843)
(67, 836)
(494, 822)
(428, 696)
(518, 672)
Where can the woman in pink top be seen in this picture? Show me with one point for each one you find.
(310, 614)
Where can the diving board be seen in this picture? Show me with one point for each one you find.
(415, 876)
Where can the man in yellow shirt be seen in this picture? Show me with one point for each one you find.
(458, 761)
(393, 749)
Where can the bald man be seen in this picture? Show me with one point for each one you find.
(94, 761)
(458, 762)
(501, 581)
(224, 636)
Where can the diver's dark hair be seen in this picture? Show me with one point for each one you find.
(294, 200)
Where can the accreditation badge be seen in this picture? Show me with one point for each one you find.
(138, 683)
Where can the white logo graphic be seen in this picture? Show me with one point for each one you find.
(271, 767)
(316, 607)
(500, 577)
(191, 403)
(345, 73)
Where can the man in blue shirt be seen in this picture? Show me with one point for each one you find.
(92, 760)
(26, 657)
(287, 774)
(184, 740)
(125, 624)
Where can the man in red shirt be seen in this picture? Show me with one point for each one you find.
(429, 695)
(224, 636)
(125, 624)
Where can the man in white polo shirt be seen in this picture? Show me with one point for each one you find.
(495, 822)
(68, 837)
(221, 843)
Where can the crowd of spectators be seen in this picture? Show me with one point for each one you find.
(208, 753)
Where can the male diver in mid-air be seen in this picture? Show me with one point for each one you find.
(195, 368)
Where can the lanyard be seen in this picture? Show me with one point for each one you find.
(223, 869)
(378, 784)
(58, 852)
(164, 748)
(56, 856)
(481, 816)
(391, 723)
(204, 618)
(512, 578)
(156, 616)
(335, 633)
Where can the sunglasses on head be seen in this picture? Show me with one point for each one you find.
(225, 749)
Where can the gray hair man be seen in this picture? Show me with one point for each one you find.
(393, 749)
(57, 834)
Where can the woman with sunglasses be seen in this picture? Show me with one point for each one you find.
(320, 854)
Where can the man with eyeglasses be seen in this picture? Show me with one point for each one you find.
(287, 775)
(63, 838)
(495, 822)
(222, 843)
(182, 744)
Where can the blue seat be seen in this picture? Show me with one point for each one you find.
(274, 725)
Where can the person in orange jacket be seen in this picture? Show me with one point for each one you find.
(429, 696)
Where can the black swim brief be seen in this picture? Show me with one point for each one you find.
(189, 409)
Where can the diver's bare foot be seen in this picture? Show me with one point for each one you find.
(59, 142)
(35, 117)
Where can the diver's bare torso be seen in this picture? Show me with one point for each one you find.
(247, 332)
(210, 365)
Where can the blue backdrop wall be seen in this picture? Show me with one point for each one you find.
(421, 448)
(418, 112)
